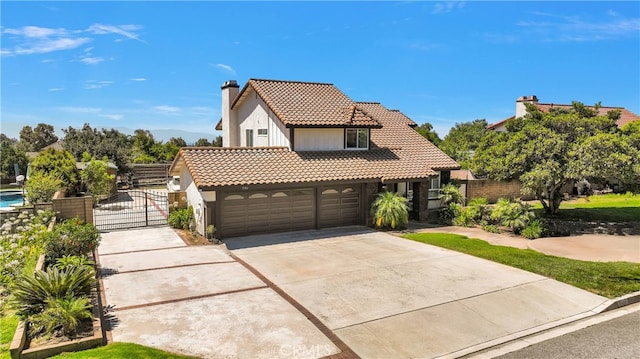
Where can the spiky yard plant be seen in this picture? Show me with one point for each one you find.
(61, 314)
(390, 210)
(450, 193)
(31, 292)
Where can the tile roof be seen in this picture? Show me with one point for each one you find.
(626, 116)
(307, 103)
(397, 151)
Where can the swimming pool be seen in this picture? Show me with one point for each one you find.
(8, 198)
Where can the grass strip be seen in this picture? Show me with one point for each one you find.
(609, 279)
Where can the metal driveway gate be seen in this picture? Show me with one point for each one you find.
(130, 209)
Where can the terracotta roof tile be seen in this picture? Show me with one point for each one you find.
(397, 151)
(308, 103)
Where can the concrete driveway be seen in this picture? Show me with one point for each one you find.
(387, 297)
(197, 300)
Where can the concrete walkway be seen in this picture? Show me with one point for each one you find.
(586, 247)
(197, 300)
(387, 297)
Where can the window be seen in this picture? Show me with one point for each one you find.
(249, 137)
(434, 187)
(357, 138)
(262, 132)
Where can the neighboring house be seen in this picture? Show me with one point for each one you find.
(626, 116)
(301, 155)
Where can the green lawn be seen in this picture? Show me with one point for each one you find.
(122, 350)
(8, 325)
(609, 279)
(608, 207)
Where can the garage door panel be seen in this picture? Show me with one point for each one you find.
(339, 206)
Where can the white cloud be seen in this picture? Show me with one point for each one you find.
(574, 28)
(124, 30)
(225, 68)
(93, 84)
(55, 89)
(46, 45)
(113, 117)
(166, 109)
(91, 60)
(447, 7)
(138, 79)
(74, 109)
(29, 40)
(36, 32)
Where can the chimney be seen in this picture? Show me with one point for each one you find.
(521, 110)
(230, 137)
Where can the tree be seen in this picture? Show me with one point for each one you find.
(110, 143)
(390, 210)
(202, 142)
(41, 187)
(59, 164)
(547, 151)
(217, 142)
(96, 177)
(35, 139)
(11, 154)
(463, 139)
(426, 130)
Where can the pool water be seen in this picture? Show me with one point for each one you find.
(10, 198)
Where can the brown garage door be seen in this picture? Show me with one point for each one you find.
(243, 213)
(339, 206)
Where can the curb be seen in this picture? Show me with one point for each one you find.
(509, 343)
(619, 302)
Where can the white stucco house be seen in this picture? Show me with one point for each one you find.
(303, 155)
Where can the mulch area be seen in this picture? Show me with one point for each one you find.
(191, 238)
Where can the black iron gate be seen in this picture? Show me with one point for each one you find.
(129, 209)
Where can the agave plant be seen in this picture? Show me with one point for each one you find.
(390, 210)
(61, 314)
(30, 293)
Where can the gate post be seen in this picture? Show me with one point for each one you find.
(146, 210)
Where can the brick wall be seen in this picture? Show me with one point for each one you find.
(72, 207)
(493, 190)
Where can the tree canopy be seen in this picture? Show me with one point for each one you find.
(35, 139)
(111, 143)
(463, 139)
(546, 151)
(426, 130)
(58, 164)
(11, 154)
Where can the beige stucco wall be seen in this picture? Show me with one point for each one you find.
(194, 199)
(254, 114)
(319, 139)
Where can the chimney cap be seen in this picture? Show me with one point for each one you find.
(531, 98)
(230, 83)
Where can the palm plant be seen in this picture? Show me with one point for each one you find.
(390, 210)
(64, 314)
(30, 293)
(512, 214)
(450, 193)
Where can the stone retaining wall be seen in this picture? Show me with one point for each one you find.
(566, 228)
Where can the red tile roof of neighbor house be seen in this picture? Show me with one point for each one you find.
(397, 151)
(626, 116)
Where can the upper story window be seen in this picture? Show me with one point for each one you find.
(357, 138)
(249, 137)
(262, 132)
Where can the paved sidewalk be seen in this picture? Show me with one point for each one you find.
(586, 247)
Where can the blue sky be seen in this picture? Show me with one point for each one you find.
(159, 65)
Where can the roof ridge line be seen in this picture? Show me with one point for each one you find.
(292, 81)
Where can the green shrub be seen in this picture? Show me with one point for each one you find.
(61, 314)
(479, 208)
(491, 228)
(515, 215)
(390, 210)
(71, 238)
(448, 213)
(31, 292)
(73, 261)
(181, 218)
(464, 218)
(535, 229)
(41, 187)
(450, 193)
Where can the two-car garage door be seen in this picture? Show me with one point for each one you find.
(251, 212)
